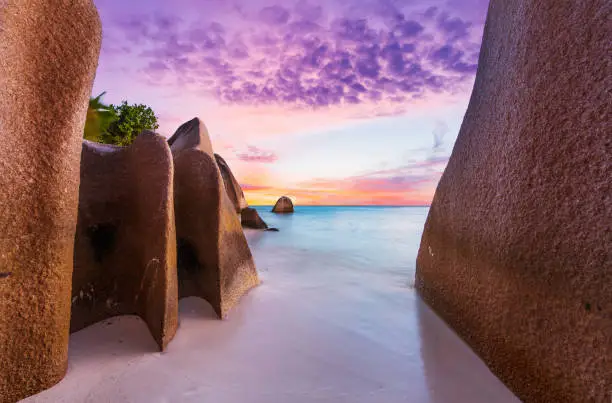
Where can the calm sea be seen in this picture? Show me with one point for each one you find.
(375, 244)
(344, 276)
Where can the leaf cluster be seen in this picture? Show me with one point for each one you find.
(117, 124)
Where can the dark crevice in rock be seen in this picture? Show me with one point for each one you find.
(187, 257)
(102, 238)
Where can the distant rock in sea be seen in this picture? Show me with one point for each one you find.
(516, 253)
(283, 205)
(250, 219)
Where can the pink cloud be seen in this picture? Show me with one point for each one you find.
(400, 179)
(410, 184)
(255, 154)
(247, 187)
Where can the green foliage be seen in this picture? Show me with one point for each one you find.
(117, 124)
(99, 118)
(131, 121)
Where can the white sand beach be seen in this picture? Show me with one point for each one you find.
(306, 334)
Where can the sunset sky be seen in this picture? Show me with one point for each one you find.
(327, 101)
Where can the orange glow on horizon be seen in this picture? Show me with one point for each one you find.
(309, 197)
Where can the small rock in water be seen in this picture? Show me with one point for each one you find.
(283, 205)
(249, 217)
(272, 229)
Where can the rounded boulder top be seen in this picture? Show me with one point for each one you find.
(283, 205)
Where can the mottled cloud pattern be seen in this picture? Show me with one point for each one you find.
(276, 82)
(304, 56)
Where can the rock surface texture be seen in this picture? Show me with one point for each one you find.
(232, 187)
(214, 259)
(516, 253)
(250, 219)
(283, 205)
(125, 244)
(88, 230)
(48, 56)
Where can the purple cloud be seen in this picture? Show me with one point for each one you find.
(431, 12)
(455, 27)
(274, 15)
(309, 12)
(255, 154)
(453, 59)
(407, 29)
(304, 27)
(207, 38)
(302, 58)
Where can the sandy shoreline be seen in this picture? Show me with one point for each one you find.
(327, 340)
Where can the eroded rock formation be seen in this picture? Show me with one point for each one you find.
(215, 261)
(48, 57)
(283, 205)
(250, 219)
(118, 233)
(516, 253)
(232, 187)
(125, 244)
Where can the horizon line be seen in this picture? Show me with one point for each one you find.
(347, 205)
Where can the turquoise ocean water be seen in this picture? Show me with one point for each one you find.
(372, 242)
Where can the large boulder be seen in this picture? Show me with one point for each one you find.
(189, 136)
(250, 219)
(214, 259)
(48, 56)
(516, 253)
(125, 244)
(283, 205)
(232, 187)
